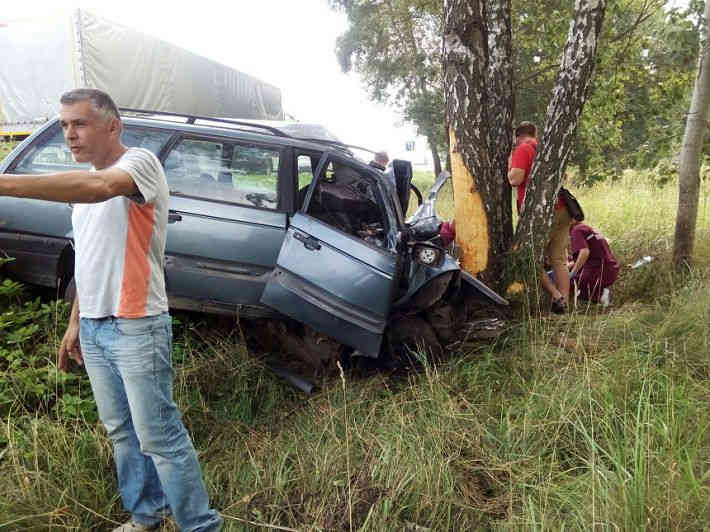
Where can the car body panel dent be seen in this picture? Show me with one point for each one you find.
(369, 255)
(421, 274)
(305, 303)
(338, 285)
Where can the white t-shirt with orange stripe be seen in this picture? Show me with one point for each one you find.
(120, 245)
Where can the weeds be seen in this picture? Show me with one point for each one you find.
(593, 421)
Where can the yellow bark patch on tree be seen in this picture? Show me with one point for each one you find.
(514, 289)
(471, 222)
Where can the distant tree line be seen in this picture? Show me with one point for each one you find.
(639, 96)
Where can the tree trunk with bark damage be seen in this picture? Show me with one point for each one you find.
(691, 154)
(562, 117)
(479, 103)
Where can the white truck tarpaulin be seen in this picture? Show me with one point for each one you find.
(45, 57)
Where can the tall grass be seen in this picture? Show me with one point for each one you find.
(593, 421)
(5, 148)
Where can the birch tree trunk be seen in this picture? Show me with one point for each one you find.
(691, 154)
(479, 101)
(562, 117)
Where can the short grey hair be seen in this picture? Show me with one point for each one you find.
(382, 157)
(103, 103)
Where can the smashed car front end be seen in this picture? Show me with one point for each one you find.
(437, 295)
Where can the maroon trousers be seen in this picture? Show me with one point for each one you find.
(593, 279)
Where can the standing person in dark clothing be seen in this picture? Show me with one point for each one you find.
(520, 166)
(380, 161)
(595, 268)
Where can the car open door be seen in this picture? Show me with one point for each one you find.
(330, 275)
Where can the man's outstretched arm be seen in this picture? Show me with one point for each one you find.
(70, 187)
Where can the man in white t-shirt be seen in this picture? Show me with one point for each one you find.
(120, 328)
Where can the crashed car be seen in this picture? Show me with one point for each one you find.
(295, 234)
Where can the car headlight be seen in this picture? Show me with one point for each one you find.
(427, 255)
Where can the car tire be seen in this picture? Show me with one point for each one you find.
(408, 335)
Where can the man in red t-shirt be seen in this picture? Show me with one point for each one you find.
(595, 267)
(521, 162)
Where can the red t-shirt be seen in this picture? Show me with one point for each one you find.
(522, 158)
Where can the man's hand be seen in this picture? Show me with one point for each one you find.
(69, 348)
(516, 176)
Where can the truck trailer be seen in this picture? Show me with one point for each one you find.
(46, 56)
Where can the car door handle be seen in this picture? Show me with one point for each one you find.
(174, 217)
(309, 242)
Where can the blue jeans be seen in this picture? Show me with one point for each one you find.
(130, 369)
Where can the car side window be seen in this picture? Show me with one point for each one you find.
(226, 171)
(50, 153)
(145, 137)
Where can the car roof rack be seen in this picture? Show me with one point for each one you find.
(191, 119)
(338, 144)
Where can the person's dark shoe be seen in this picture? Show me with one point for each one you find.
(559, 305)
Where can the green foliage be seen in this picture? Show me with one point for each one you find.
(396, 46)
(597, 419)
(643, 80)
(666, 171)
(29, 379)
(5, 148)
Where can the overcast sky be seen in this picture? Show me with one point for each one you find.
(288, 43)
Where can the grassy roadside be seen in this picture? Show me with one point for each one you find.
(594, 420)
(5, 148)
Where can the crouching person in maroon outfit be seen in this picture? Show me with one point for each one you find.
(595, 268)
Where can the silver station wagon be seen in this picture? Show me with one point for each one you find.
(295, 234)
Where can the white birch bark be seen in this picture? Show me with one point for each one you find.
(477, 51)
(691, 153)
(563, 112)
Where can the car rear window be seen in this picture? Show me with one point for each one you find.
(50, 153)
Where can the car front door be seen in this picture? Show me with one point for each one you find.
(337, 269)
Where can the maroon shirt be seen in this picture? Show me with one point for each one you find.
(583, 236)
(601, 269)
